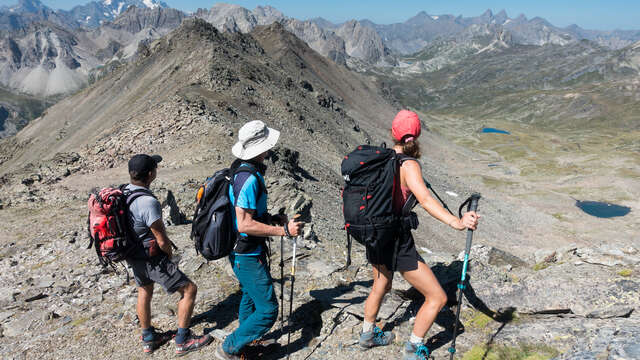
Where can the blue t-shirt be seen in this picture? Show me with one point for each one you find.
(250, 197)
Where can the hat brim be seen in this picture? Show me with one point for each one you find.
(256, 149)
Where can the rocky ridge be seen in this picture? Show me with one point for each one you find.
(350, 40)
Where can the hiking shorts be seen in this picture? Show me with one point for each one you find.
(407, 256)
(160, 270)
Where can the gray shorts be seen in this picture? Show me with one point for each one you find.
(160, 270)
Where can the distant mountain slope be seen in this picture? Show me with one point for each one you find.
(422, 29)
(45, 59)
(349, 40)
(95, 13)
(92, 14)
(17, 109)
(192, 82)
(578, 85)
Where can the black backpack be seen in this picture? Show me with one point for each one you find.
(369, 173)
(212, 230)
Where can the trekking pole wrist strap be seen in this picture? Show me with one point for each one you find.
(286, 230)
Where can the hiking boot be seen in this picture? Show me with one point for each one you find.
(258, 348)
(376, 337)
(415, 352)
(159, 339)
(193, 342)
(223, 355)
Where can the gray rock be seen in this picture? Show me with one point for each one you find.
(320, 269)
(171, 208)
(6, 314)
(492, 256)
(45, 283)
(219, 334)
(611, 312)
(193, 265)
(543, 254)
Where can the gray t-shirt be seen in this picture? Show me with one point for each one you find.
(144, 211)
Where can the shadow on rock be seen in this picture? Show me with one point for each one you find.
(448, 276)
(221, 314)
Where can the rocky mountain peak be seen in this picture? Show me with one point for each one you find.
(134, 19)
(268, 14)
(488, 14)
(31, 6)
(362, 42)
(521, 18)
(420, 19)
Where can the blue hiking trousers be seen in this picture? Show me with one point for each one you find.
(259, 305)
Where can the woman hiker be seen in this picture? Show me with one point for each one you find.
(406, 130)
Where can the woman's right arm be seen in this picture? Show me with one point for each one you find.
(413, 174)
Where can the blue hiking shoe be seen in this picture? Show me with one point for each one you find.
(157, 341)
(415, 352)
(376, 337)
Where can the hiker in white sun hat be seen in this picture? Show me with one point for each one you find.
(254, 138)
(258, 309)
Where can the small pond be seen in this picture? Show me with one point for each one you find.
(495, 131)
(602, 209)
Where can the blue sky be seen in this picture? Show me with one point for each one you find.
(590, 14)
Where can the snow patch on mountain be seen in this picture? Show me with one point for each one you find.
(150, 4)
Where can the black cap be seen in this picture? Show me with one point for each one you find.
(143, 163)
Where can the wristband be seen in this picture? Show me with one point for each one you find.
(286, 230)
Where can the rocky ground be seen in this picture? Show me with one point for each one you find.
(57, 302)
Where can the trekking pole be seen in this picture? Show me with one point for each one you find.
(293, 280)
(473, 206)
(282, 282)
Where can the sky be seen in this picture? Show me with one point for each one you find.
(589, 14)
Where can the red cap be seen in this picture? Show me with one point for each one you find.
(405, 124)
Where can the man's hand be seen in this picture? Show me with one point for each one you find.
(295, 227)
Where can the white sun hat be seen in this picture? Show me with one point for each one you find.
(254, 139)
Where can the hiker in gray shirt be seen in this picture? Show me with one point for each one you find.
(151, 263)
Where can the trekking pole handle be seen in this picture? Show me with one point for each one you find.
(473, 204)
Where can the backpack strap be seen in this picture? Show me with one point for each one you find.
(132, 195)
(411, 200)
(247, 168)
(402, 158)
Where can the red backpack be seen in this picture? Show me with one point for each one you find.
(110, 230)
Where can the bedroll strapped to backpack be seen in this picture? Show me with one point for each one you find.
(212, 230)
(109, 227)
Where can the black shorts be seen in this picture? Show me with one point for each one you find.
(160, 270)
(407, 255)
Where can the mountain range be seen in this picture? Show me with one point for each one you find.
(92, 14)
